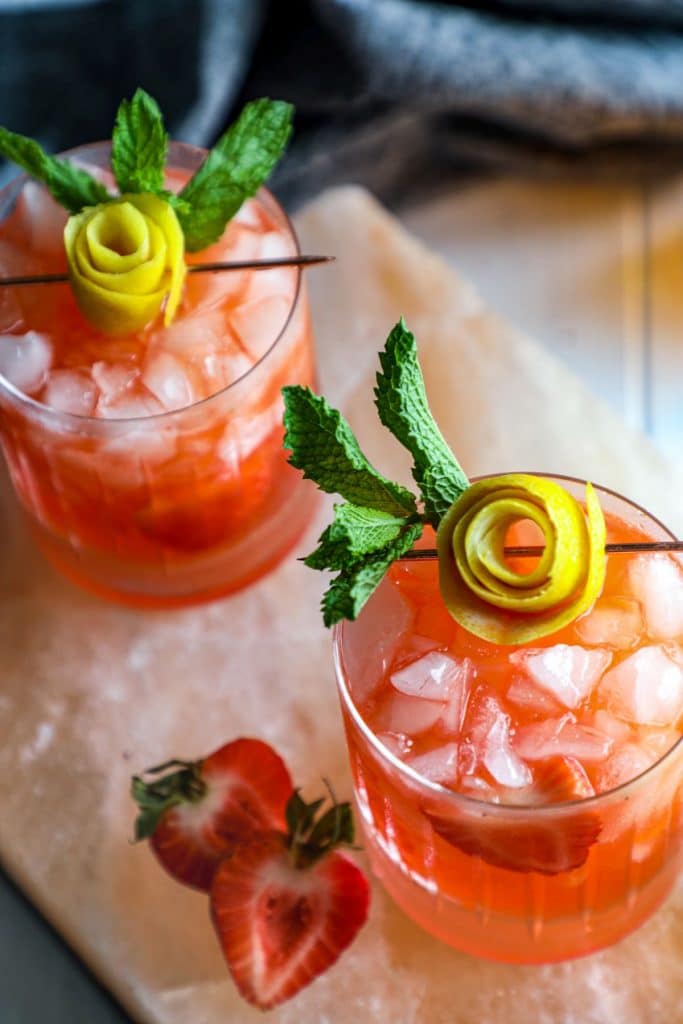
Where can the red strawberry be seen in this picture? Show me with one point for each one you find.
(195, 814)
(286, 906)
(534, 842)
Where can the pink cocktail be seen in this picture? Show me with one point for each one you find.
(523, 803)
(151, 465)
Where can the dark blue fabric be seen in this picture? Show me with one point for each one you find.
(391, 93)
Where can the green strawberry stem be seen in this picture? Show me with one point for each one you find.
(183, 785)
(310, 836)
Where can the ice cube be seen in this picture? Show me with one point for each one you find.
(397, 742)
(141, 443)
(409, 715)
(371, 642)
(25, 360)
(626, 763)
(526, 694)
(249, 215)
(647, 687)
(259, 323)
(71, 391)
(567, 671)
(220, 369)
(193, 337)
(459, 691)
(561, 736)
(656, 580)
(46, 219)
(613, 622)
(608, 725)
(501, 760)
(280, 280)
(431, 676)
(439, 765)
(167, 379)
(210, 290)
(486, 735)
(136, 403)
(113, 379)
(244, 434)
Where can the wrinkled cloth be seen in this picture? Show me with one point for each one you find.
(391, 93)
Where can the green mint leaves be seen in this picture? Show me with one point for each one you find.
(380, 520)
(71, 186)
(325, 448)
(234, 170)
(402, 406)
(139, 144)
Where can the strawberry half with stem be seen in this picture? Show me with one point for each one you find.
(533, 842)
(195, 812)
(286, 905)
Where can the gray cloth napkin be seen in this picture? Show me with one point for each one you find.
(390, 93)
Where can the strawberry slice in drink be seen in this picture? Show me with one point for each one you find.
(530, 843)
(198, 812)
(286, 906)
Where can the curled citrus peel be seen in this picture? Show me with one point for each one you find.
(125, 258)
(481, 589)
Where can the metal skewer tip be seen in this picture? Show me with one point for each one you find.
(193, 268)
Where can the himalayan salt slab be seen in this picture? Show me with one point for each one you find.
(91, 692)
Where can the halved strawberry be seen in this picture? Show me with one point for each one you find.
(546, 843)
(196, 814)
(286, 906)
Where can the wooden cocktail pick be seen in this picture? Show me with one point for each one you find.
(194, 268)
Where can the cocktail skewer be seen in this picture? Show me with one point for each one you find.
(193, 268)
(533, 551)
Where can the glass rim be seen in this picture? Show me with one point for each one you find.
(436, 789)
(76, 420)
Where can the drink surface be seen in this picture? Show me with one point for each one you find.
(572, 716)
(149, 507)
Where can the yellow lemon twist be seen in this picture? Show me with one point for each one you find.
(125, 258)
(483, 592)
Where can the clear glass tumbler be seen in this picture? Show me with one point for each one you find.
(179, 506)
(468, 900)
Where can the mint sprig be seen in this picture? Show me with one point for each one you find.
(139, 145)
(349, 591)
(355, 533)
(71, 186)
(325, 448)
(234, 170)
(402, 405)
(380, 520)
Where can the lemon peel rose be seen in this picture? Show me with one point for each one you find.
(381, 520)
(125, 259)
(476, 580)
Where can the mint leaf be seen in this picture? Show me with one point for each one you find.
(349, 591)
(402, 406)
(354, 533)
(324, 447)
(139, 144)
(234, 170)
(72, 187)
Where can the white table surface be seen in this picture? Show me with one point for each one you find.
(593, 271)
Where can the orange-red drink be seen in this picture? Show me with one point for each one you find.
(523, 803)
(151, 465)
